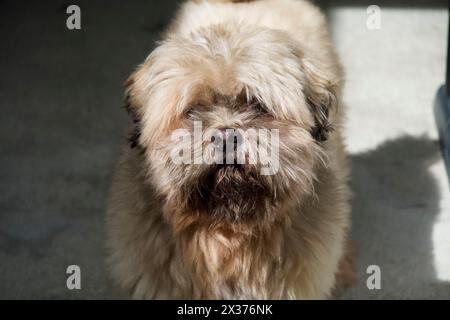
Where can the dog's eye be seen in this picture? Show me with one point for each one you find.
(189, 112)
(258, 107)
(193, 109)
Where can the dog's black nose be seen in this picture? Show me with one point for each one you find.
(229, 140)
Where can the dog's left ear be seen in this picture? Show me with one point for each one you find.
(321, 94)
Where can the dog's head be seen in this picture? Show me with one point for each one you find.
(249, 92)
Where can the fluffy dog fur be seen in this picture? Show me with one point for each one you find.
(209, 231)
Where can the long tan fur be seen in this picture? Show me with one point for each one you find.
(204, 232)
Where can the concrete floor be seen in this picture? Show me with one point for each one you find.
(62, 123)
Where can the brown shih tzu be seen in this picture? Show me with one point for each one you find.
(234, 183)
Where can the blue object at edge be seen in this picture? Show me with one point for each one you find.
(442, 116)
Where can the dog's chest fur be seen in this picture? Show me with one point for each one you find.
(296, 258)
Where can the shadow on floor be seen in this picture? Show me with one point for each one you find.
(395, 204)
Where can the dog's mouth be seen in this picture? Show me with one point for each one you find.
(233, 192)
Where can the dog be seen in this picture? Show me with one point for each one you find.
(207, 229)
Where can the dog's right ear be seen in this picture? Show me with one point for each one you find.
(130, 103)
(132, 107)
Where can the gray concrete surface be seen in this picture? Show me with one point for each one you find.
(62, 123)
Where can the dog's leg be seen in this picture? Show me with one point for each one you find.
(346, 274)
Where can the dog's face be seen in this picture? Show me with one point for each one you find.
(250, 80)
